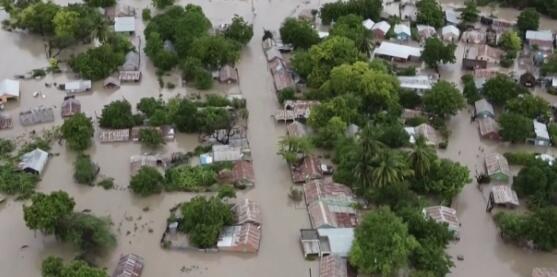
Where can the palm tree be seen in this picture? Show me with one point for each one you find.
(368, 148)
(421, 158)
(390, 168)
(294, 148)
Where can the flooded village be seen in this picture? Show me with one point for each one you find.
(293, 213)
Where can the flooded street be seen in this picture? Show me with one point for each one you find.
(139, 231)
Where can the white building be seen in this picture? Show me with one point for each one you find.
(419, 83)
(8, 89)
(125, 24)
(398, 52)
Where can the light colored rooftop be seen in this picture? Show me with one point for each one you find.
(398, 50)
(543, 35)
(541, 130)
(124, 24)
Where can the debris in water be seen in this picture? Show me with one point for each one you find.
(86, 211)
(150, 230)
(460, 257)
(146, 209)
(24, 246)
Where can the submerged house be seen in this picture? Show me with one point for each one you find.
(425, 31)
(544, 272)
(243, 238)
(295, 110)
(130, 265)
(79, 86)
(380, 29)
(478, 57)
(497, 167)
(111, 83)
(452, 17)
(139, 161)
(6, 121)
(34, 161)
(309, 168)
(542, 39)
(330, 205)
(129, 71)
(489, 128)
(9, 89)
(482, 109)
(402, 32)
(397, 52)
(114, 135)
(502, 195)
(228, 74)
(335, 241)
(282, 76)
(333, 266)
(450, 33)
(443, 215)
(247, 211)
(241, 174)
(36, 115)
(70, 106)
(542, 135)
(226, 153)
(429, 133)
(296, 129)
(368, 24)
(473, 36)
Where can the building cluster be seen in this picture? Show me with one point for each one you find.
(283, 75)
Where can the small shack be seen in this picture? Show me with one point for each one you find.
(380, 29)
(111, 83)
(333, 266)
(309, 239)
(483, 109)
(79, 86)
(497, 167)
(247, 211)
(544, 272)
(228, 74)
(489, 128)
(36, 115)
(368, 24)
(243, 238)
(295, 110)
(309, 168)
(34, 161)
(443, 215)
(130, 265)
(70, 106)
(542, 135)
(282, 76)
(429, 133)
(542, 39)
(425, 31)
(418, 83)
(402, 32)
(226, 153)
(134, 132)
(130, 70)
(450, 33)
(114, 135)
(9, 89)
(6, 121)
(452, 17)
(124, 24)
(502, 195)
(473, 36)
(241, 174)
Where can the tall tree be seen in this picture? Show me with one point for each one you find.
(350, 26)
(430, 13)
(293, 149)
(47, 211)
(368, 149)
(528, 19)
(443, 99)
(422, 158)
(501, 88)
(515, 127)
(239, 30)
(470, 13)
(147, 181)
(390, 168)
(78, 131)
(435, 51)
(299, 33)
(381, 244)
(117, 115)
(510, 41)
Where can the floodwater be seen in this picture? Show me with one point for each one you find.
(280, 254)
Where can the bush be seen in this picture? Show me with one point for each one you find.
(150, 137)
(147, 181)
(203, 80)
(286, 94)
(519, 158)
(188, 178)
(409, 99)
(14, 181)
(107, 183)
(146, 14)
(78, 131)
(85, 170)
(415, 121)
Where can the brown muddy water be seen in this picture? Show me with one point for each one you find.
(280, 254)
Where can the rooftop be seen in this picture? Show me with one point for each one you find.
(442, 214)
(497, 163)
(402, 29)
(419, 82)
(339, 239)
(397, 50)
(368, 24)
(124, 24)
(9, 88)
(333, 266)
(384, 26)
(542, 35)
(34, 160)
(504, 195)
(541, 130)
(130, 265)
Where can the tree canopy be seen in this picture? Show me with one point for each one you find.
(78, 131)
(515, 127)
(203, 220)
(350, 26)
(85, 170)
(239, 30)
(151, 137)
(510, 41)
(529, 106)
(381, 244)
(54, 267)
(365, 8)
(435, 52)
(501, 88)
(117, 115)
(147, 181)
(470, 13)
(528, 19)
(47, 211)
(430, 13)
(443, 99)
(299, 33)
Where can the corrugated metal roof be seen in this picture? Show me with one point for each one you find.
(368, 24)
(504, 195)
(398, 50)
(402, 29)
(496, 163)
(543, 35)
(541, 130)
(124, 24)
(333, 266)
(442, 214)
(35, 160)
(339, 239)
(419, 82)
(9, 88)
(384, 26)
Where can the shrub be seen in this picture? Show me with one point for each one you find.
(147, 181)
(519, 158)
(85, 170)
(106, 183)
(146, 14)
(188, 178)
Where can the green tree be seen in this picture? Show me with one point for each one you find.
(212, 119)
(390, 168)
(161, 58)
(101, 3)
(447, 179)
(185, 117)
(78, 131)
(54, 267)
(470, 91)
(215, 51)
(365, 8)
(327, 136)
(431, 258)
(38, 18)
(515, 127)
(324, 56)
(239, 30)
(350, 26)
(117, 115)
(470, 13)
(345, 107)
(151, 137)
(510, 41)
(422, 158)
(147, 181)
(367, 150)
(89, 233)
(149, 105)
(430, 13)
(97, 63)
(443, 99)
(511, 226)
(501, 88)
(542, 228)
(435, 51)
(292, 149)
(299, 33)
(550, 65)
(161, 4)
(47, 211)
(381, 243)
(203, 220)
(528, 19)
(529, 106)
(85, 170)
(226, 192)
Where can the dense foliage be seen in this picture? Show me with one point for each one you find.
(299, 33)
(188, 178)
(539, 227)
(203, 219)
(528, 19)
(78, 131)
(515, 127)
(239, 30)
(435, 52)
(430, 13)
(151, 137)
(117, 115)
(98, 63)
(501, 88)
(147, 181)
(365, 8)
(85, 170)
(54, 267)
(443, 99)
(48, 211)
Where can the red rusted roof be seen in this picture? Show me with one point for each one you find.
(308, 169)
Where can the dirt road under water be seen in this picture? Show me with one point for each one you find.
(280, 255)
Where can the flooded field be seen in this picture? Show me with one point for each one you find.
(139, 232)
